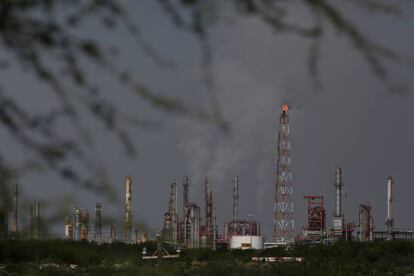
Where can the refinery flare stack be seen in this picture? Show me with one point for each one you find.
(283, 222)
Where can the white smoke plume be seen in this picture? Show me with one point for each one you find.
(251, 108)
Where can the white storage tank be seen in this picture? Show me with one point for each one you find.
(246, 242)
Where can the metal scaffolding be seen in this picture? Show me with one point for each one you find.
(315, 229)
(283, 223)
(170, 230)
(208, 229)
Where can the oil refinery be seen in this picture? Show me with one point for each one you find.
(193, 225)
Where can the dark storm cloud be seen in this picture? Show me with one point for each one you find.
(352, 122)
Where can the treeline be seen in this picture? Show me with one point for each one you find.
(342, 258)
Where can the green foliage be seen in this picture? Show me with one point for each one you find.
(342, 258)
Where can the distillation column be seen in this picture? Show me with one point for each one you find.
(194, 226)
(365, 223)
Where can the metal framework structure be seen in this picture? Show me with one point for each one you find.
(170, 230)
(283, 223)
(235, 202)
(185, 195)
(191, 220)
(316, 220)
(243, 228)
(173, 211)
(237, 226)
(183, 227)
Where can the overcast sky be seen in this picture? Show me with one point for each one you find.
(352, 122)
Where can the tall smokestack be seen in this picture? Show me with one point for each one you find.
(235, 200)
(36, 219)
(338, 192)
(128, 218)
(208, 197)
(173, 211)
(185, 195)
(14, 221)
(77, 223)
(338, 219)
(389, 221)
(4, 228)
(112, 234)
(98, 223)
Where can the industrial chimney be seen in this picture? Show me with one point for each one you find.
(173, 211)
(338, 220)
(235, 202)
(185, 196)
(15, 204)
(128, 222)
(389, 221)
(338, 192)
(98, 223)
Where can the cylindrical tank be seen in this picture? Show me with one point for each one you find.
(246, 242)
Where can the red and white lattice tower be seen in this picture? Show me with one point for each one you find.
(283, 224)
